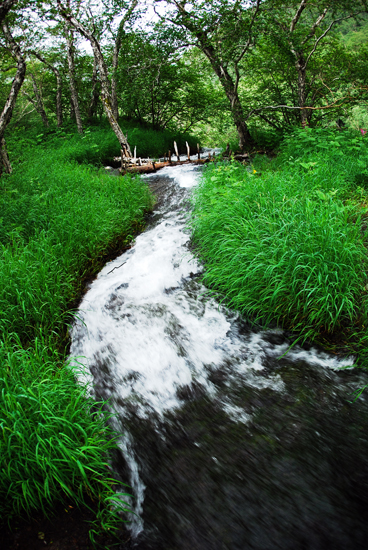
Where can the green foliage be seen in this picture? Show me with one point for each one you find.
(354, 32)
(98, 145)
(157, 142)
(159, 85)
(54, 442)
(282, 241)
(58, 220)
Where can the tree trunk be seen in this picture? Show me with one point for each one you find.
(226, 81)
(115, 62)
(73, 88)
(245, 139)
(115, 59)
(59, 86)
(18, 80)
(59, 107)
(105, 93)
(94, 98)
(302, 75)
(5, 165)
(39, 102)
(230, 89)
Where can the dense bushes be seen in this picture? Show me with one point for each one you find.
(283, 240)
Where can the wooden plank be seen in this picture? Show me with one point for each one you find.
(176, 151)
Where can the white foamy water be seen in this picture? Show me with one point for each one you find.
(145, 329)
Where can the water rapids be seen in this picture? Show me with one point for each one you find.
(225, 445)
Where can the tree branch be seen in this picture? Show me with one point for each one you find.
(296, 18)
(240, 57)
(8, 69)
(315, 25)
(325, 33)
(5, 7)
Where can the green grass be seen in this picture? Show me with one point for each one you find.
(59, 218)
(283, 241)
(54, 442)
(98, 144)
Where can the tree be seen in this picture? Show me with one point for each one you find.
(334, 84)
(106, 99)
(72, 85)
(18, 79)
(37, 101)
(159, 84)
(300, 30)
(115, 57)
(59, 85)
(225, 32)
(94, 94)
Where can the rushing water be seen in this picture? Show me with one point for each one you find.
(225, 444)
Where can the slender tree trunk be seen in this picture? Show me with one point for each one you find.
(105, 92)
(230, 89)
(18, 80)
(115, 60)
(59, 86)
(59, 106)
(39, 102)
(72, 85)
(302, 76)
(5, 165)
(71, 109)
(94, 98)
(115, 63)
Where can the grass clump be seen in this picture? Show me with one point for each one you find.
(59, 219)
(283, 241)
(55, 442)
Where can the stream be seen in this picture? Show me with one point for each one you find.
(226, 442)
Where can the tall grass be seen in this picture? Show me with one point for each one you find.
(282, 240)
(58, 220)
(98, 144)
(54, 442)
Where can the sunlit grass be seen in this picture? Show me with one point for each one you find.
(282, 240)
(58, 219)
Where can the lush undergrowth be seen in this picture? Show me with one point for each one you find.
(98, 144)
(285, 240)
(58, 220)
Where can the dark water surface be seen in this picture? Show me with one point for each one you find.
(225, 445)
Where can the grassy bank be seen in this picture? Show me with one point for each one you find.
(60, 216)
(284, 241)
(98, 144)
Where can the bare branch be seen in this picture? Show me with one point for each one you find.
(325, 33)
(299, 11)
(315, 25)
